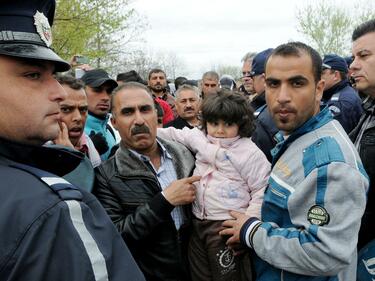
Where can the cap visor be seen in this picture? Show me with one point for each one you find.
(101, 81)
(36, 52)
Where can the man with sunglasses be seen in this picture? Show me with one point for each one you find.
(98, 88)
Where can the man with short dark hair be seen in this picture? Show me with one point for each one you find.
(187, 106)
(73, 119)
(210, 83)
(157, 82)
(341, 99)
(363, 136)
(316, 195)
(146, 188)
(98, 88)
(50, 229)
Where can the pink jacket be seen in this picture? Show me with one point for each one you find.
(234, 173)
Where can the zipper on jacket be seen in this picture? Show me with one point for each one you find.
(282, 275)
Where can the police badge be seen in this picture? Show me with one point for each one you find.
(43, 28)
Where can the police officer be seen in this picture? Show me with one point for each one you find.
(49, 229)
(265, 130)
(342, 100)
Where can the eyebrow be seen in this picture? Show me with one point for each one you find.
(71, 106)
(290, 79)
(133, 108)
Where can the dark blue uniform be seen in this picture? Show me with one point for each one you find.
(49, 229)
(344, 104)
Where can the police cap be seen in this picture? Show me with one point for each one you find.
(259, 62)
(25, 30)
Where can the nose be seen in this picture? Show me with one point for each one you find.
(138, 119)
(57, 92)
(76, 115)
(354, 65)
(220, 128)
(283, 95)
(104, 96)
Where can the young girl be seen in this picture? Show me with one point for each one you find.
(234, 174)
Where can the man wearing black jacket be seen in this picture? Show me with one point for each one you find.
(342, 100)
(146, 189)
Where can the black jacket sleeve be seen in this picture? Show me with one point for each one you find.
(135, 216)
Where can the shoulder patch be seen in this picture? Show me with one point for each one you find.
(318, 215)
(334, 110)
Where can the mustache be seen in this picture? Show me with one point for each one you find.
(286, 108)
(188, 108)
(140, 130)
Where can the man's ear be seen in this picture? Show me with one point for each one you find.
(113, 122)
(320, 89)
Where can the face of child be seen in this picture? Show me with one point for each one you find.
(222, 129)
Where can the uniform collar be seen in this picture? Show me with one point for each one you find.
(64, 159)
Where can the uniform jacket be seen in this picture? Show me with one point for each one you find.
(265, 131)
(57, 233)
(312, 207)
(98, 125)
(365, 133)
(234, 173)
(344, 104)
(131, 195)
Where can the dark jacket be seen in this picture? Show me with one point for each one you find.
(178, 123)
(258, 101)
(366, 149)
(131, 195)
(344, 104)
(47, 229)
(265, 131)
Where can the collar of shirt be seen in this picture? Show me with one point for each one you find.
(82, 144)
(144, 158)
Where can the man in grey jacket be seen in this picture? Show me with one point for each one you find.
(145, 187)
(316, 196)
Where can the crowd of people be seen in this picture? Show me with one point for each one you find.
(267, 178)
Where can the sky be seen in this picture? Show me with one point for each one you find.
(207, 33)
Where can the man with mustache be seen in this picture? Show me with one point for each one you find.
(50, 229)
(187, 107)
(363, 135)
(157, 83)
(98, 88)
(316, 196)
(146, 189)
(73, 119)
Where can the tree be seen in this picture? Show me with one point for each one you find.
(328, 26)
(143, 61)
(234, 71)
(98, 29)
